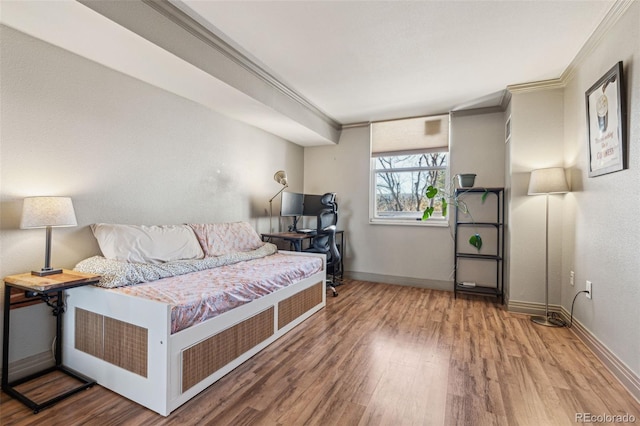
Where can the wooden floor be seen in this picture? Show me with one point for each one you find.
(385, 355)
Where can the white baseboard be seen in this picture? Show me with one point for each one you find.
(530, 308)
(619, 369)
(404, 281)
(29, 365)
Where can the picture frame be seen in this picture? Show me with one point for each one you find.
(607, 123)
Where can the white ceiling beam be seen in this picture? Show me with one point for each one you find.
(170, 28)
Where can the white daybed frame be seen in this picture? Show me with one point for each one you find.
(125, 342)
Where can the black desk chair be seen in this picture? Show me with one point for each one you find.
(325, 239)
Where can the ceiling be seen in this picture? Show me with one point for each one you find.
(360, 61)
(342, 62)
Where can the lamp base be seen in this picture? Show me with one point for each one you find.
(547, 321)
(44, 272)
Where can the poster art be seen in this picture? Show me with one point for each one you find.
(606, 123)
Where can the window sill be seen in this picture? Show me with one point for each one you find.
(438, 223)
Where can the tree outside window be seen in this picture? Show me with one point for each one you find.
(407, 156)
(401, 182)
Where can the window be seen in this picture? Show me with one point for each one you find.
(407, 156)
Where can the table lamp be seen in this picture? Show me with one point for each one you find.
(47, 212)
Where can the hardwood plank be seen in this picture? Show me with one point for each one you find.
(383, 354)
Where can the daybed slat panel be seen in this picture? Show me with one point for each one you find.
(204, 358)
(255, 330)
(125, 346)
(88, 335)
(292, 307)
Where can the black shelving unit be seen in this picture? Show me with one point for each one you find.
(495, 254)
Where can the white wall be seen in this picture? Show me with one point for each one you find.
(601, 223)
(126, 152)
(394, 253)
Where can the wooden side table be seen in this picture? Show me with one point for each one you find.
(50, 290)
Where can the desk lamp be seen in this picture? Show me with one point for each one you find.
(281, 178)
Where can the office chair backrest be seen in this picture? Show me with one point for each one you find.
(333, 255)
(327, 217)
(329, 201)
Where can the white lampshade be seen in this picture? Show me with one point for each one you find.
(548, 181)
(280, 177)
(40, 212)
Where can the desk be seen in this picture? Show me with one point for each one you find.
(296, 240)
(50, 290)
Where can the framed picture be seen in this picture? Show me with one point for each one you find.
(606, 123)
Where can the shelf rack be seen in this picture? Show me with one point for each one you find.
(496, 288)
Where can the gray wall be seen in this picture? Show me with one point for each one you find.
(126, 152)
(601, 225)
(395, 253)
(536, 142)
(594, 228)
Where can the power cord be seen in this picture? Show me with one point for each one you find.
(557, 318)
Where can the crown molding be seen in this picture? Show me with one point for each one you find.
(611, 18)
(506, 99)
(477, 111)
(555, 83)
(356, 125)
(185, 21)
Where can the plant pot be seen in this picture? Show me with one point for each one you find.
(466, 180)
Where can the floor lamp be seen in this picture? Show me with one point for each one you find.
(547, 181)
(281, 178)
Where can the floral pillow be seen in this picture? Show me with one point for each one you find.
(218, 239)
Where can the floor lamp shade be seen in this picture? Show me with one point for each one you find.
(545, 182)
(548, 181)
(47, 212)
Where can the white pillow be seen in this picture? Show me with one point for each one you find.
(147, 244)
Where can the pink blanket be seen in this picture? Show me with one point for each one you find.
(198, 296)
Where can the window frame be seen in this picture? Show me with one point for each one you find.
(378, 220)
(374, 170)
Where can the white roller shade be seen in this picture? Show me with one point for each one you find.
(410, 136)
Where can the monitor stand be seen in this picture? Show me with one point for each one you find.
(294, 227)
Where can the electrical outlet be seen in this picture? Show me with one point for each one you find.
(572, 278)
(589, 290)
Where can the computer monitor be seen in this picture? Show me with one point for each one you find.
(313, 204)
(291, 204)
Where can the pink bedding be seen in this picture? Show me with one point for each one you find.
(198, 296)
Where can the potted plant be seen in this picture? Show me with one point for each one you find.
(448, 197)
(466, 180)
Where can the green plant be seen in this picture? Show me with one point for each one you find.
(448, 197)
